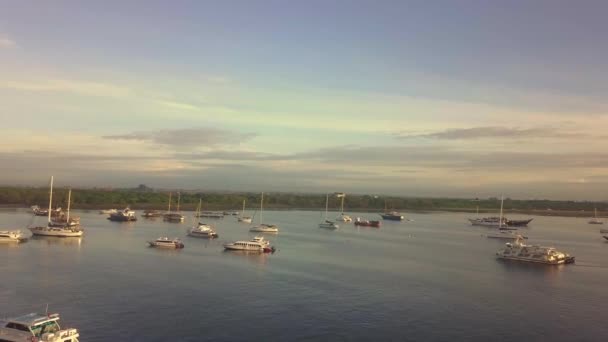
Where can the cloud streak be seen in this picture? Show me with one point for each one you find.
(494, 132)
(187, 138)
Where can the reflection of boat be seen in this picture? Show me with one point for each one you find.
(257, 244)
(151, 213)
(36, 327)
(126, 215)
(202, 230)
(108, 211)
(327, 224)
(367, 223)
(505, 235)
(165, 242)
(50, 230)
(13, 236)
(534, 254)
(243, 218)
(263, 227)
(173, 216)
(595, 220)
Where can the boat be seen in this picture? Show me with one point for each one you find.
(64, 219)
(243, 218)
(605, 237)
(211, 214)
(39, 211)
(491, 222)
(61, 231)
(505, 235)
(342, 217)
(230, 213)
(202, 230)
(12, 236)
(327, 224)
(518, 223)
(151, 213)
(595, 220)
(392, 216)
(262, 227)
(257, 244)
(36, 327)
(165, 242)
(108, 211)
(367, 223)
(518, 251)
(173, 216)
(126, 215)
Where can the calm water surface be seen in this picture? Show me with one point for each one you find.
(434, 279)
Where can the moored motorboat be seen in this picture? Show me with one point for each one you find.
(39, 211)
(367, 223)
(126, 215)
(12, 236)
(151, 213)
(518, 251)
(36, 327)
(165, 242)
(392, 216)
(257, 244)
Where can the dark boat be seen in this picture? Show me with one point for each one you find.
(518, 223)
(367, 223)
(127, 215)
(393, 216)
(605, 237)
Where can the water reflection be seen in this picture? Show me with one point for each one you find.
(255, 257)
(54, 240)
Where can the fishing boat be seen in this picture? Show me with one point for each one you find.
(202, 230)
(257, 244)
(49, 230)
(108, 211)
(12, 236)
(263, 227)
(595, 220)
(327, 224)
(518, 251)
(151, 214)
(36, 327)
(126, 215)
(367, 223)
(342, 217)
(243, 218)
(175, 217)
(165, 242)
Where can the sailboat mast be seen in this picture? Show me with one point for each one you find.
(69, 201)
(326, 205)
(178, 198)
(500, 219)
(51, 199)
(243, 212)
(261, 208)
(342, 205)
(169, 210)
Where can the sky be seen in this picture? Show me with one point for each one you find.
(409, 98)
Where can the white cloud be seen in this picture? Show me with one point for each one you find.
(70, 86)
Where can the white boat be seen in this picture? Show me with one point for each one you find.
(108, 211)
(505, 235)
(595, 220)
(343, 217)
(327, 224)
(518, 251)
(36, 327)
(11, 236)
(50, 230)
(263, 227)
(202, 230)
(165, 242)
(243, 218)
(257, 244)
(174, 216)
(61, 219)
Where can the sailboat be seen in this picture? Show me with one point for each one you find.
(263, 227)
(174, 216)
(343, 217)
(64, 219)
(595, 220)
(201, 230)
(243, 218)
(327, 224)
(491, 222)
(50, 230)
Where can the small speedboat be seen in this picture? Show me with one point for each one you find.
(165, 242)
(203, 230)
(36, 327)
(329, 225)
(367, 223)
(265, 228)
(13, 236)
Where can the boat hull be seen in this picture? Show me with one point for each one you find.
(166, 245)
(56, 233)
(392, 217)
(204, 235)
(534, 261)
(328, 226)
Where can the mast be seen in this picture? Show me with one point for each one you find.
(342, 205)
(500, 219)
(243, 212)
(178, 198)
(69, 201)
(261, 208)
(50, 199)
(326, 205)
(169, 210)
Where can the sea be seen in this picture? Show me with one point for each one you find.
(433, 278)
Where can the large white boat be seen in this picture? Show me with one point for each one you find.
(243, 218)
(257, 244)
(12, 236)
(36, 327)
(56, 231)
(263, 227)
(518, 251)
(327, 224)
(165, 242)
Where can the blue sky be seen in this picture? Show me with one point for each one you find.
(414, 98)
